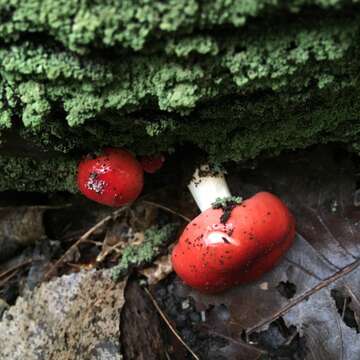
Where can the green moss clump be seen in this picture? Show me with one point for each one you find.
(44, 82)
(132, 23)
(237, 79)
(222, 203)
(134, 256)
(29, 174)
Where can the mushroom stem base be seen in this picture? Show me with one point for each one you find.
(206, 187)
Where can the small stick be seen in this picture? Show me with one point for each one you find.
(344, 309)
(4, 281)
(169, 324)
(290, 339)
(16, 267)
(163, 207)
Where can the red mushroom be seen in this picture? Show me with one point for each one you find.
(231, 242)
(113, 178)
(151, 164)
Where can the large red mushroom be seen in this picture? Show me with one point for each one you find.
(113, 178)
(231, 241)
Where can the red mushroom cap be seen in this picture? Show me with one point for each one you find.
(213, 255)
(151, 164)
(113, 178)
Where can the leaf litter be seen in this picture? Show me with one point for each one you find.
(134, 234)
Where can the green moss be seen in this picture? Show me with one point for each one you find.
(132, 23)
(260, 128)
(223, 203)
(238, 79)
(29, 174)
(155, 238)
(45, 81)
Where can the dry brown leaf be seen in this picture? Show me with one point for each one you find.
(159, 270)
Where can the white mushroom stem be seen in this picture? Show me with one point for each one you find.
(206, 187)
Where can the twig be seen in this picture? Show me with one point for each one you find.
(163, 316)
(302, 268)
(16, 267)
(290, 339)
(344, 308)
(83, 238)
(103, 254)
(75, 266)
(163, 207)
(93, 242)
(239, 342)
(352, 294)
(4, 281)
(346, 270)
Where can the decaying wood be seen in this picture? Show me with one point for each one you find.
(141, 328)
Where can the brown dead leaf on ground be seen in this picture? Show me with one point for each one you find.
(159, 270)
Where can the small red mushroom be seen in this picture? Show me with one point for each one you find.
(234, 242)
(114, 178)
(151, 164)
